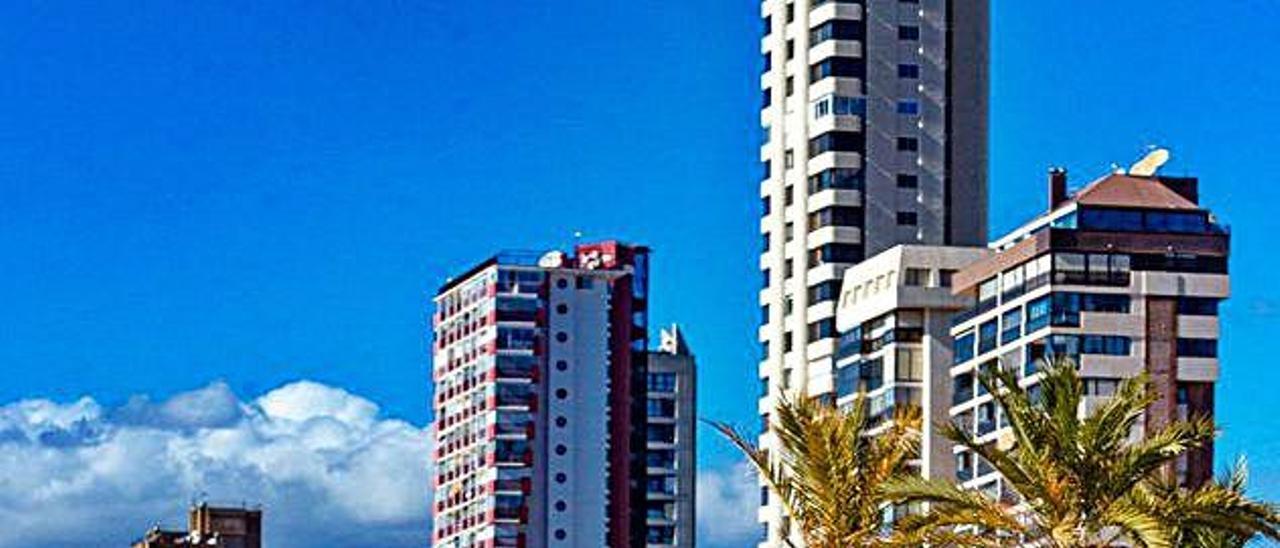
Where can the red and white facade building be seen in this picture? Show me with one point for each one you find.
(538, 365)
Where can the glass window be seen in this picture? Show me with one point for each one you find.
(1106, 345)
(910, 108)
(842, 178)
(840, 67)
(1038, 314)
(907, 218)
(916, 277)
(836, 29)
(964, 347)
(987, 336)
(908, 144)
(1066, 310)
(1197, 348)
(1011, 325)
(1197, 306)
(1118, 220)
(662, 382)
(908, 180)
(836, 141)
(1068, 268)
(908, 32)
(961, 388)
(909, 71)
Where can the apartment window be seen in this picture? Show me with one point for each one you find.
(764, 278)
(823, 329)
(944, 277)
(839, 105)
(786, 342)
(764, 242)
(961, 388)
(835, 216)
(987, 340)
(766, 98)
(1038, 312)
(1197, 306)
(908, 180)
(791, 49)
(908, 144)
(766, 62)
(840, 67)
(1197, 348)
(1100, 387)
(907, 218)
(767, 170)
(915, 277)
(964, 347)
(764, 350)
(1011, 326)
(789, 159)
(789, 195)
(661, 433)
(908, 32)
(786, 378)
(909, 108)
(836, 141)
(823, 292)
(908, 365)
(791, 12)
(765, 207)
(1107, 345)
(661, 382)
(764, 496)
(840, 177)
(764, 386)
(908, 71)
(768, 25)
(788, 268)
(789, 231)
(835, 253)
(835, 29)
(764, 313)
(660, 407)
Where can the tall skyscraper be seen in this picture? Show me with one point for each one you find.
(874, 114)
(1122, 277)
(541, 402)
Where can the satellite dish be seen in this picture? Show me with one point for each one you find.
(1151, 163)
(553, 259)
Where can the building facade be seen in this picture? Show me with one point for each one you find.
(874, 117)
(895, 347)
(671, 438)
(210, 526)
(541, 393)
(1123, 277)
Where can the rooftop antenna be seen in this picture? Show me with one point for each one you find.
(1151, 163)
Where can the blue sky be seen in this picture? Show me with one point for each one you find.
(263, 192)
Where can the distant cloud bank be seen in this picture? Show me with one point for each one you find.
(326, 467)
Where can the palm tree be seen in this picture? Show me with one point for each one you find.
(1074, 478)
(1217, 514)
(829, 470)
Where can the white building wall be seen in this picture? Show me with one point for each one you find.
(579, 337)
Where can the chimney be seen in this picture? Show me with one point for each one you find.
(1057, 187)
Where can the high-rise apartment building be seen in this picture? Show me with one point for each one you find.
(1123, 277)
(671, 438)
(541, 392)
(895, 347)
(874, 115)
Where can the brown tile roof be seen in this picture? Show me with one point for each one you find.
(1125, 191)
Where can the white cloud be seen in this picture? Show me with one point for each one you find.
(728, 499)
(327, 469)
